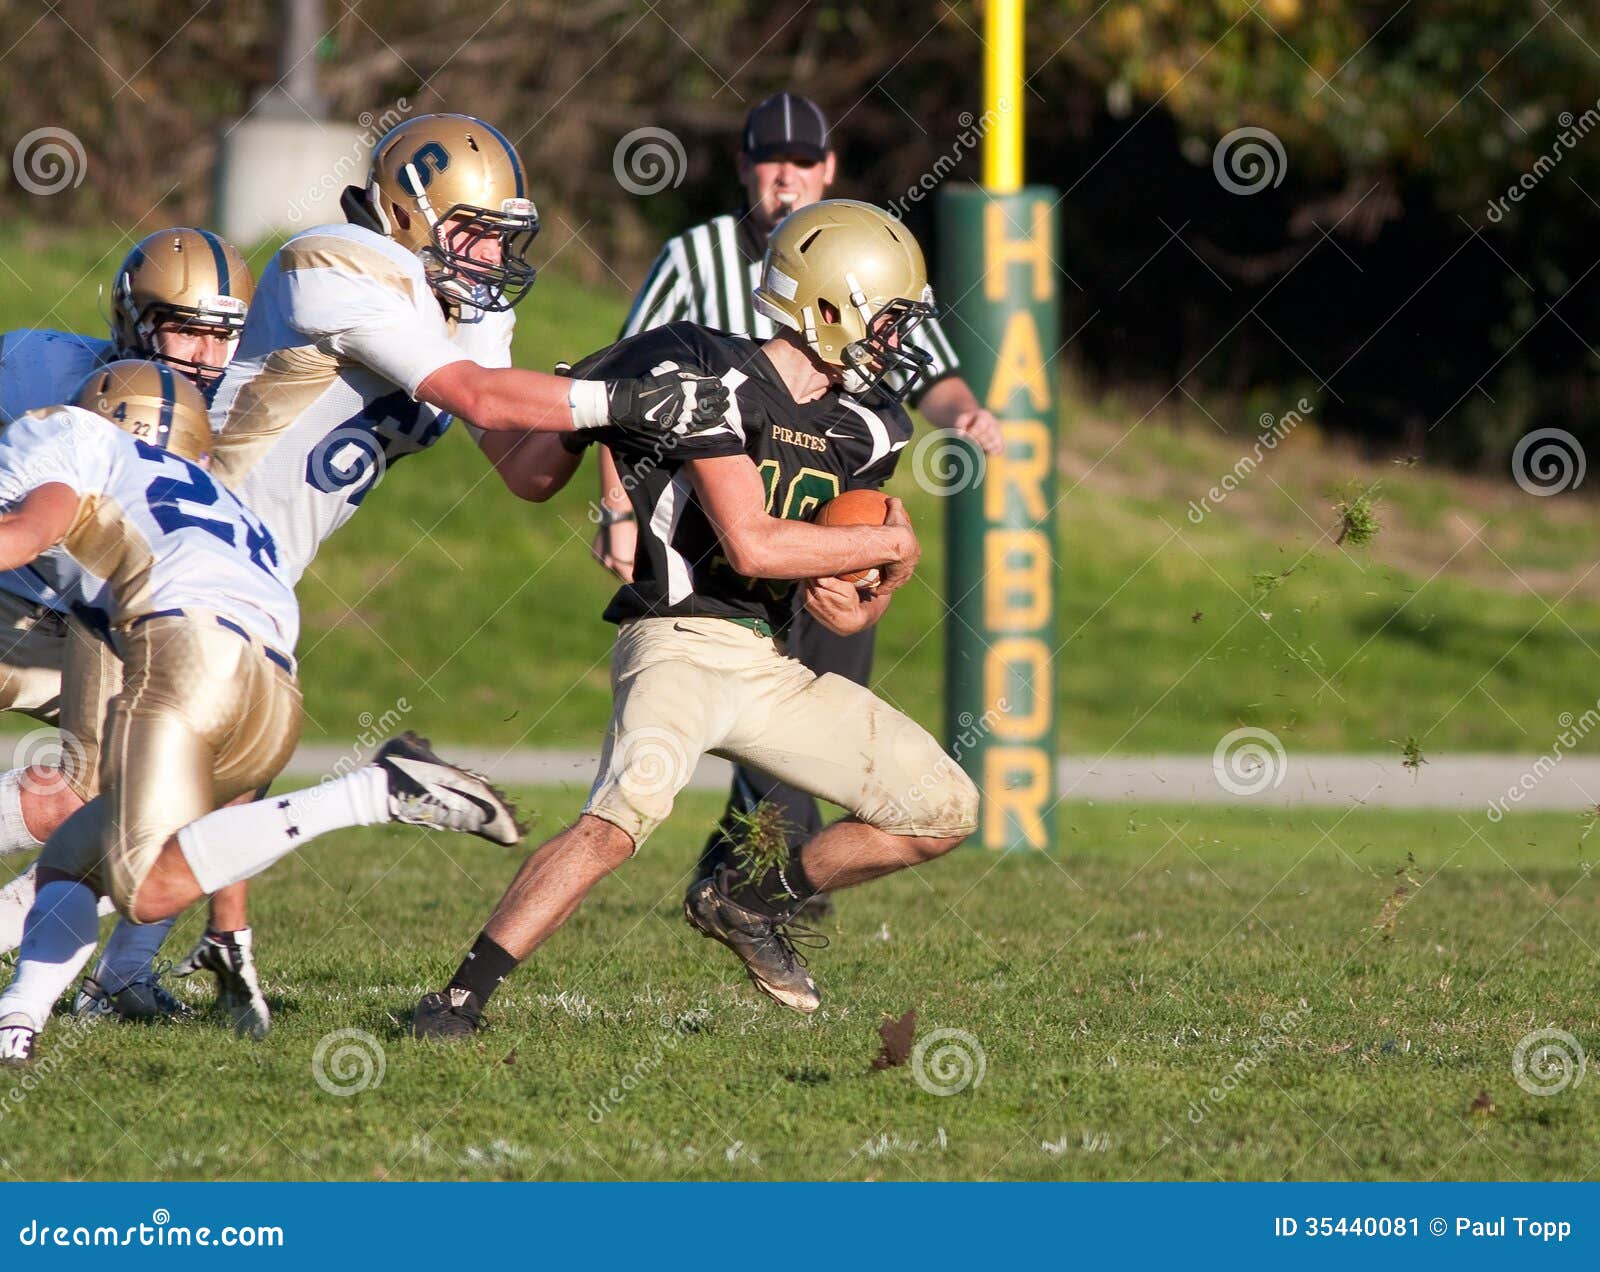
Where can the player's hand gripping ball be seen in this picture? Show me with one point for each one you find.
(857, 508)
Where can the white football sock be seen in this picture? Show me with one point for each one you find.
(16, 899)
(130, 953)
(14, 833)
(62, 930)
(233, 844)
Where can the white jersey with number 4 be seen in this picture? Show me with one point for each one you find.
(153, 532)
(40, 369)
(318, 400)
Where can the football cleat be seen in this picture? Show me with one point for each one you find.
(451, 1014)
(144, 999)
(17, 1036)
(765, 944)
(425, 790)
(229, 957)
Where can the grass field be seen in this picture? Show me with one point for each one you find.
(1464, 625)
(1171, 994)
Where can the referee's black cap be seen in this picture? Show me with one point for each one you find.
(786, 124)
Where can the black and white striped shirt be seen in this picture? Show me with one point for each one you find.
(706, 276)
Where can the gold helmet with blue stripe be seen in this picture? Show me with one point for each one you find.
(153, 403)
(451, 189)
(183, 277)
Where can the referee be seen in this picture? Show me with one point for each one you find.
(706, 275)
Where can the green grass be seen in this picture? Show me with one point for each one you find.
(1110, 988)
(1462, 625)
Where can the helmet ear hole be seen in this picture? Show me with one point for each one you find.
(827, 310)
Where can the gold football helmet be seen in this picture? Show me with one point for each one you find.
(189, 277)
(441, 185)
(150, 401)
(851, 280)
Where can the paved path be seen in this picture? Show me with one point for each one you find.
(1332, 781)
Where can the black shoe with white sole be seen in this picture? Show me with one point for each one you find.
(425, 790)
(453, 1013)
(765, 944)
(145, 999)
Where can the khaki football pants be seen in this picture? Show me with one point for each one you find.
(32, 646)
(91, 675)
(683, 687)
(203, 717)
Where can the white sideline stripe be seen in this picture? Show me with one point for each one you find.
(1328, 781)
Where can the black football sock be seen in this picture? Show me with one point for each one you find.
(484, 967)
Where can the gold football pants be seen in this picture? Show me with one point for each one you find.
(204, 715)
(91, 675)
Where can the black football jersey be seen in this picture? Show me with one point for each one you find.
(806, 454)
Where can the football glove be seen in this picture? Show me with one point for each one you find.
(668, 400)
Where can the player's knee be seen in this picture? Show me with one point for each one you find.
(49, 797)
(963, 810)
(940, 806)
(124, 895)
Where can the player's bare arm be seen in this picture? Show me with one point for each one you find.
(950, 403)
(513, 399)
(40, 521)
(616, 542)
(534, 466)
(761, 546)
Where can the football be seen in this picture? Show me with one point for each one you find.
(856, 508)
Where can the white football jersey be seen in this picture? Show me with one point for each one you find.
(318, 399)
(153, 532)
(40, 369)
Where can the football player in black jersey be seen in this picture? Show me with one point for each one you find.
(727, 551)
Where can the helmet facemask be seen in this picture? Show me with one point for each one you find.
(887, 349)
(454, 273)
(222, 316)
